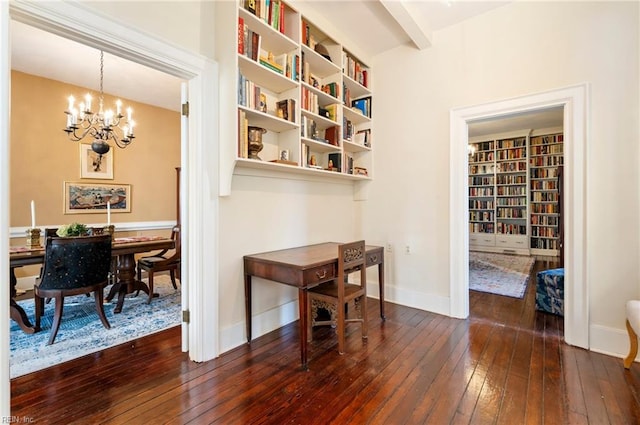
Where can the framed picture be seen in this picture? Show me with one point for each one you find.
(83, 198)
(94, 166)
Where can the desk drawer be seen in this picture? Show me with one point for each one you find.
(320, 274)
(375, 258)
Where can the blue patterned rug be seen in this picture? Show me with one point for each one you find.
(81, 331)
(499, 274)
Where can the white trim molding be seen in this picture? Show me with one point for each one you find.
(575, 101)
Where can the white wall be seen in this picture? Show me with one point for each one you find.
(515, 50)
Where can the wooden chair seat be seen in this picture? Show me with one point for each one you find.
(162, 261)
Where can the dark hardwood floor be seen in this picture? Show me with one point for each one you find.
(506, 364)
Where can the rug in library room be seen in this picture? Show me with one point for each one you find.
(81, 331)
(500, 274)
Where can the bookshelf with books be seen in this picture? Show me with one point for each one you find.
(498, 193)
(545, 157)
(289, 80)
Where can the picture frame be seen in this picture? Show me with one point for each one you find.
(88, 198)
(94, 166)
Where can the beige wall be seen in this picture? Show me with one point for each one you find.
(42, 157)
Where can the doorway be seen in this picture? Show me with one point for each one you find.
(574, 101)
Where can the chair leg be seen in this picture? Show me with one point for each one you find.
(340, 330)
(633, 346)
(39, 309)
(150, 287)
(57, 317)
(99, 296)
(172, 273)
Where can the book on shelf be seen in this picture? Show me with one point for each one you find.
(335, 161)
(347, 129)
(332, 89)
(248, 41)
(332, 135)
(286, 109)
(363, 137)
(241, 35)
(363, 105)
(332, 111)
(270, 61)
(361, 171)
(272, 12)
(243, 134)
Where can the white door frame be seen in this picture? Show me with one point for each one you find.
(575, 101)
(199, 159)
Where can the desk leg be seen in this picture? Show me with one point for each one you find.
(302, 307)
(127, 282)
(381, 283)
(247, 304)
(15, 311)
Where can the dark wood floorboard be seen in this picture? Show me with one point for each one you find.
(506, 364)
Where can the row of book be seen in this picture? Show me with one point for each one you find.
(250, 95)
(516, 153)
(475, 204)
(481, 181)
(483, 156)
(546, 149)
(546, 232)
(544, 220)
(544, 208)
(511, 229)
(272, 12)
(512, 202)
(543, 173)
(544, 196)
(481, 216)
(512, 179)
(511, 213)
(309, 101)
(248, 41)
(546, 161)
(482, 146)
(481, 228)
(481, 192)
(510, 167)
(545, 243)
(512, 143)
(286, 109)
(544, 185)
(355, 70)
(512, 190)
(545, 140)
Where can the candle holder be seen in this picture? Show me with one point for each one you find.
(110, 229)
(33, 238)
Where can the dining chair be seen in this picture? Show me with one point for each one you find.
(633, 329)
(72, 266)
(162, 261)
(335, 296)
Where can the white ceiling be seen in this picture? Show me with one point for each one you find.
(380, 25)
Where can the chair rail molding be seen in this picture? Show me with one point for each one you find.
(575, 102)
(199, 159)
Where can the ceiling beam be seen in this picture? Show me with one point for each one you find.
(419, 35)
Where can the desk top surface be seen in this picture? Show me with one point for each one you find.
(304, 256)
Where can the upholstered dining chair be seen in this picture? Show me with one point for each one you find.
(335, 296)
(162, 261)
(73, 266)
(633, 328)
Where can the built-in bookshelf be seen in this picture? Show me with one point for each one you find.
(546, 151)
(302, 93)
(513, 192)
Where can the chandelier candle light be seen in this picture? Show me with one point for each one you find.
(103, 126)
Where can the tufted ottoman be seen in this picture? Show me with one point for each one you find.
(550, 291)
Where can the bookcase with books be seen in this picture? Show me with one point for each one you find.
(498, 193)
(545, 157)
(298, 90)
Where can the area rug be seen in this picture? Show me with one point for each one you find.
(499, 274)
(81, 331)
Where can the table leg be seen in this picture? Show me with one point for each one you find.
(381, 283)
(302, 307)
(247, 305)
(15, 311)
(127, 282)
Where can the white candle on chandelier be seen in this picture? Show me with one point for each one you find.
(118, 107)
(71, 99)
(131, 124)
(87, 98)
(129, 111)
(33, 214)
(107, 117)
(74, 116)
(69, 119)
(82, 110)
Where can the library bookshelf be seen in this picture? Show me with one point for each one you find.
(309, 93)
(513, 192)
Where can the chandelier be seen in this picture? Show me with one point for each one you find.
(103, 126)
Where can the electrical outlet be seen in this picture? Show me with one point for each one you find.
(407, 249)
(389, 247)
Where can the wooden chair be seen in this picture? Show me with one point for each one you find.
(73, 266)
(336, 295)
(633, 328)
(162, 262)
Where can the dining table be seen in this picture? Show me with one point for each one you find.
(123, 250)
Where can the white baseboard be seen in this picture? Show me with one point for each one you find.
(610, 341)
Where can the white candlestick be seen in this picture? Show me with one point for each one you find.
(33, 214)
(109, 212)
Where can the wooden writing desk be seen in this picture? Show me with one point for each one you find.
(304, 268)
(123, 248)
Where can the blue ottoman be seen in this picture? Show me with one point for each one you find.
(550, 291)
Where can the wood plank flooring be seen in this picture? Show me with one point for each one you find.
(506, 364)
